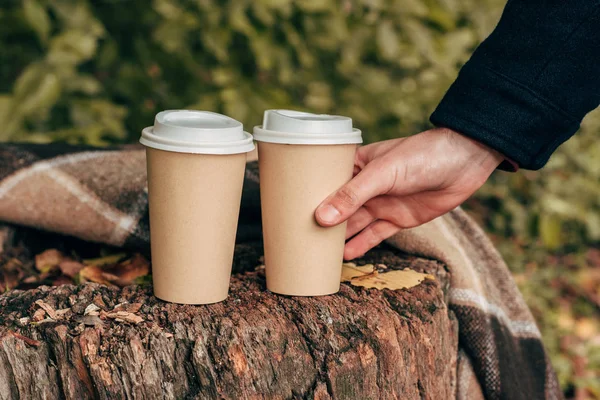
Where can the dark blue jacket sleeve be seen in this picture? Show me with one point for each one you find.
(527, 87)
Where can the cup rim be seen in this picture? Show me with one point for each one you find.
(264, 135)
(149, 139)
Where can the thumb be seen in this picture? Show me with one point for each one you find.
(342, 204)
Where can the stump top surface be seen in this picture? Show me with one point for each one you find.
(358, 343)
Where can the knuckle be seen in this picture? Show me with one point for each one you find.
(374, 236)
(347, 197)
(380, 233)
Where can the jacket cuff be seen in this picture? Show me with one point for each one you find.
(505, 115)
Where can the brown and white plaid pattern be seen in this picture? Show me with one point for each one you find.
(500, 344)
(101, 195)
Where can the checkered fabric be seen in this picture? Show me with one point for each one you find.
(100, 195)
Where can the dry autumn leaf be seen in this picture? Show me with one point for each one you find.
(129, 270)
(392, 280)
(351, 270)
(368, 277)
(121, 274)
(107, 260)
(70, 267)
(11, 273)
(48, 260)
(94, 273)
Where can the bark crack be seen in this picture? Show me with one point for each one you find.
(53, 362)
(319, 365)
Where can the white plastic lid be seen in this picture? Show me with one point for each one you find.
(200, 132)
(295, 127)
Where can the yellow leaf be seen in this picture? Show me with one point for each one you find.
(368, 277)
(351, 270)
(94, 273)
(48, 260)
(110, 259)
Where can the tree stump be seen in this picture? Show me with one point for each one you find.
(358, 344)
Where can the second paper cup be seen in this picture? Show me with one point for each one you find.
(303, 158)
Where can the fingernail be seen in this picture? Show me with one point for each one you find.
(328, 213)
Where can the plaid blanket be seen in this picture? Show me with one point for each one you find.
(101, 195)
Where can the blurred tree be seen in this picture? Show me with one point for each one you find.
(90, 71)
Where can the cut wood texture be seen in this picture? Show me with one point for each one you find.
(94, 341)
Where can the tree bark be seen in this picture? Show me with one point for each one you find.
(357, 344)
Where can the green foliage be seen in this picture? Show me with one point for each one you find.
(559, 204)
(97, 72)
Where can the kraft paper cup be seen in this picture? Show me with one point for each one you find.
(303, 158)
(196, 162)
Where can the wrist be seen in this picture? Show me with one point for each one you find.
(480, 153)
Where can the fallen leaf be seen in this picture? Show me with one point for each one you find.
(107, 260)
(70, 267)
(145, 280)
(48, 260)
(351, 270)
(94, 273)
(393, 280)
(128, 271)
(48, 308)
(121, 274)
(8, 281)
(11, 273)
(31, 279)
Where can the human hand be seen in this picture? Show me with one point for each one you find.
(403, 183)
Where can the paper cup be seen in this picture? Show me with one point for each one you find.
(196, 162)
(303, 158)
